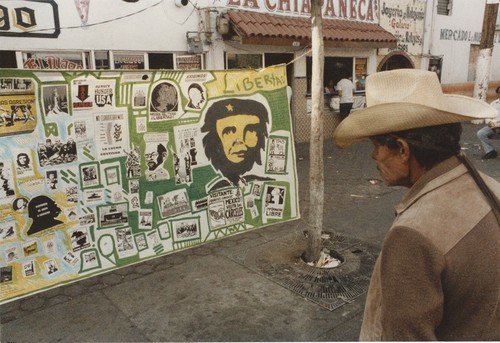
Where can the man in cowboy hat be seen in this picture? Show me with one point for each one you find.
(437, 276)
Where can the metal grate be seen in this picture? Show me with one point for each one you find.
(329, 288)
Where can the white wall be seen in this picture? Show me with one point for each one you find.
(453, 35)
(158, 28)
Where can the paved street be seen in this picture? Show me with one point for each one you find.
(212, 293)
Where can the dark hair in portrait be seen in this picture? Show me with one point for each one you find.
(43, 210)
(212, 142)
(26, 160)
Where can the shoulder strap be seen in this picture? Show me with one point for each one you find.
(490, 196)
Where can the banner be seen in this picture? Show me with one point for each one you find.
(103, 169)
(82, 7)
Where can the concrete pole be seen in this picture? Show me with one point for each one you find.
(486, 49)
(316, 174)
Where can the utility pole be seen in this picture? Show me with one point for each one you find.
(316, 174)
(483, 64)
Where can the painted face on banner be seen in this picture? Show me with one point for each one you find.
(238, 134)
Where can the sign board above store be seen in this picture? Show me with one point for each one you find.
(29, 18)
(359, 10)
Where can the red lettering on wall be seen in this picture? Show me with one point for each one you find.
(269, 6)
(353, 9)
(251, 4)
(360, 13)
(329, 9)
(362, 10)
(284, 2)
(306, 6)
(343, 9)
(369, 14)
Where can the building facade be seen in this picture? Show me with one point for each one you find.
(361, 37)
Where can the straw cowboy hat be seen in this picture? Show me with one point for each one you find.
(406, 99)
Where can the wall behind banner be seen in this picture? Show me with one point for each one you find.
(99, 170)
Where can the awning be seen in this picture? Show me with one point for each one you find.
(268, 29)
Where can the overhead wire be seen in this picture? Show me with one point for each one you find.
(111, 20)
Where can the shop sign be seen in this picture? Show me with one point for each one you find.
(460, 35)
(51, 62)
(29, 18)
(405, 20)
(129, 62)
(188, 62)
(358, 10)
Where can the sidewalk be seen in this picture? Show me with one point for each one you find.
(212, 292)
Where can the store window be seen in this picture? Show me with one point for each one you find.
(8, 59)
(55, 60)
(243, 61)
(101, 59)
(160, 61)
(335, 68)
(128, 61)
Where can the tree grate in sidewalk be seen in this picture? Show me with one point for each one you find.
(280, 262)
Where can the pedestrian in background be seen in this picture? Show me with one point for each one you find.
(437, 275)
(345, 89)
(330, 87)
(486, 133)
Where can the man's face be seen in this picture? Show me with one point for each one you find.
(22, 160)
(238, 134)
(196, 96)
(392, 167)
(155, 159)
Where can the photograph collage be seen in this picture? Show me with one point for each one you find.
(99, 170)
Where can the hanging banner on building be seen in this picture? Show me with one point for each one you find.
(99, 170)
(82, 6)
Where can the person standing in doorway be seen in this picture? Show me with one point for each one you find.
(345, 89)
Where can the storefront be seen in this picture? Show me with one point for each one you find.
(214, 35)
(257, 36)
